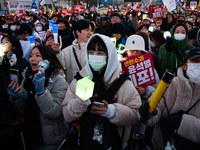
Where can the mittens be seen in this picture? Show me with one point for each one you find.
(144, 112)
(38, 81)
(80, 106)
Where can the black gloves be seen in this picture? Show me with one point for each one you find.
(144, 112)
(170, 123)
(169, 44)
(134, 13)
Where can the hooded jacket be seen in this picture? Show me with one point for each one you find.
(127, 98)
(170, 60)
(68, 61)
(182, 94)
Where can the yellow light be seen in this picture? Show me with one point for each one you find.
(84, 88)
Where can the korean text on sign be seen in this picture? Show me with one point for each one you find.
(155, 11)
(140, 69)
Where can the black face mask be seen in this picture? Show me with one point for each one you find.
(181, 21)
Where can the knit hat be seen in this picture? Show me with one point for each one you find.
(80, 25)
(43, 25)
(117, 28)
(115, 14)
(135, 42)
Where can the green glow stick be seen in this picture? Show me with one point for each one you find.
(84, 88)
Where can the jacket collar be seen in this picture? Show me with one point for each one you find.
(78, 46)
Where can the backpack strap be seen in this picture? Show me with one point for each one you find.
(78, 63)
(78, 76)
(192, 106)
(112, 90)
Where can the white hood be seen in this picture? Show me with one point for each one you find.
(113, 61)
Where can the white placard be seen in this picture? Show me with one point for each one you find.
(170, 4)
(193, 4)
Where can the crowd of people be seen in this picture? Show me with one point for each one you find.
(40, 107)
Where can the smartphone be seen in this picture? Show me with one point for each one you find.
(96, 104)
(14, 76)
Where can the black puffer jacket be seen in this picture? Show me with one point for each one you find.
(8, 115)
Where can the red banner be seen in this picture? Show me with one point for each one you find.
(155, 11)
(140, 69)
(79, 8)
(66, 12)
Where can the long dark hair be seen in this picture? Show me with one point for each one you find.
(15, 42)
(49, 54)
(97, 44)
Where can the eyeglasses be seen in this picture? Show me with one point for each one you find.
(115, 18)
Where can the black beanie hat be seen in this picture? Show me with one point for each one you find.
(116, 14)
(118, 28)
(80, 25)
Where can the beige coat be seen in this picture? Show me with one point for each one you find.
(128, 102)
(68, 61)
(181, 95)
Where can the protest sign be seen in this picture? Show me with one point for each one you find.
(103, 10)
(193, 4)
(42, 35)
(79, 8)
(155, 11)
(66, 12)
(123, 10)
(140, 69)
(170, 4)
(19, 7)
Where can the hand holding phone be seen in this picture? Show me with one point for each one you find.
(14, 91)
(99, 108)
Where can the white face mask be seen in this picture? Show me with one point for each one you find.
(193, 71)
(97, 62)
(13, 28)
(38, 28)
(179, 37)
